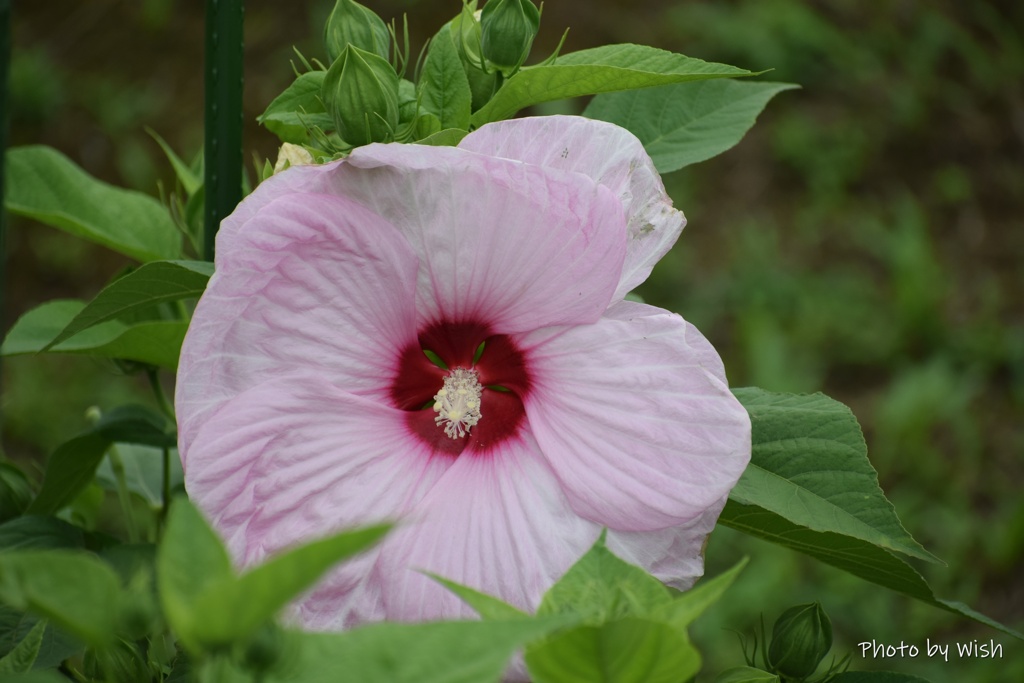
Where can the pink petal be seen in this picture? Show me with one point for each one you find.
(309, 283)
(514, 245)
(674, 555)
(639, 428)
(609, 154)
(499, 524)
(295, 459)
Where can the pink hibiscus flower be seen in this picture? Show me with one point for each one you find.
(306, 402)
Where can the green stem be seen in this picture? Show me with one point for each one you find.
(162, 401)
(168, 410)
(124, 496)
(223, 150)
(166, 493)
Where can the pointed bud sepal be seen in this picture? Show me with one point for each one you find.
(360, 92)
(465, 33)
(508, 28)
(801, 638)
(352, 24)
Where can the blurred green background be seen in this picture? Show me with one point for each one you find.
(864, 240)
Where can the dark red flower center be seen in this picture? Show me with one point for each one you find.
(501, 369)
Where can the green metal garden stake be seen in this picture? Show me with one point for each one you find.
(223, 150)
(5, 62)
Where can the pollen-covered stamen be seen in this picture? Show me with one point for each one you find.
(457, 404)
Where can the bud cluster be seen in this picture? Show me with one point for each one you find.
(360, 91)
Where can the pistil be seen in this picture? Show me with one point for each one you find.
(457, 403)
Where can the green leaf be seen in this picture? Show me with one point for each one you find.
(38, 532)
(230, 609)
(69, 470)
(49, 676)
(449, 137)
(876, 677)
(44, 185)
(629, 650)
(746, 674)
(190, 558)
(687, 606)
(190, 181)
(156, 342)
(810, 465)
(853, 555)
(136, 424)
(144, 472)
(149, 285)
(684, 123)
(23, 656)
(73, 589)
(598, 70)
(439, 652)
(487, 606)
(72, 466)
(602, 587)
(444, 88)
(56, 645)
(208, 606)
(297, 109)
(15, 491)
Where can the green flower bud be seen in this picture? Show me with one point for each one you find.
(507, 31)
(352, 24)
(801, 638)
(360, 93)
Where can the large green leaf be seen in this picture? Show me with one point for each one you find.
(487, 606)
(190, 558)
(746, 674)
(810, 465)
(37, 676)
(149, 285)
(71, 467)
(876, 677)
(628, 650)
(156, 342)
(297, 109)
(231, 609)
(439, 652)
(449, 137)
(143, 472)
(687, 606)
(853, 555)
(603, 69)
(683, 123)
(73, 589)
(21, 658)
(603, 587)
(55, 647)
(38, 532)
(444, 89)
(208, 605)
(46, 186)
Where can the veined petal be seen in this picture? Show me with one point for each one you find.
(499, 524)
(641, 434)
(515, 245)
(310, 283)
(674, 555)
(295, 459)
(613, 157)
